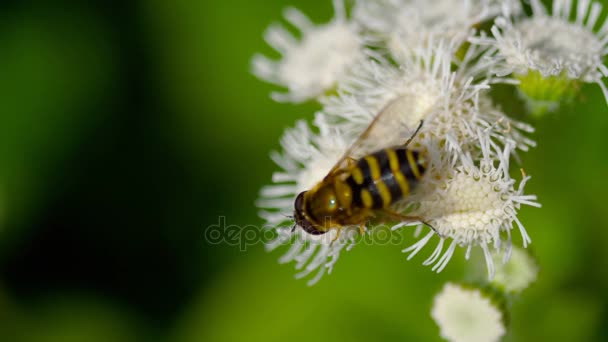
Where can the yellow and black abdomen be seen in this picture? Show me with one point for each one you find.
(385, 177)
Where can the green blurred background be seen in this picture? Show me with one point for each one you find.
(129, 127)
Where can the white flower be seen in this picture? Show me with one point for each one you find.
(553, 45)
(466, 194)
(313, 253)
(306, 159)
(411, 22)
(471, 205)
(313, 64)
(516, 273)
(453, 104)
(467, 315)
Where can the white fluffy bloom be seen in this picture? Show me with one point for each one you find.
(472, 205)
(564, 43)
(313, 64)
(466, 194)
(314, 253)
(467, 315)
(422, 86)
(307, 157)
(411, 22)
(516, 273)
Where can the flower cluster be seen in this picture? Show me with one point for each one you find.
(430, 62)
(551, 54)
(481, 312)
(468, 314)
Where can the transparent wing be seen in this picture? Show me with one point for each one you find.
(390, 127)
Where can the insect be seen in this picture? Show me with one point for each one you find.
(357, 190)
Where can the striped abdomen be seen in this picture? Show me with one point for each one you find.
(385, 177)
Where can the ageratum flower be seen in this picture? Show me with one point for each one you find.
(472, 204)
(467, 314)
(412, 22)
(515, 273)
(568, 44)
(312, 65)
(454, 104)
(306, 158)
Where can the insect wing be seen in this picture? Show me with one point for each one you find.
(388, 128)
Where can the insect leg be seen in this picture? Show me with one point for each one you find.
(407, 218)
(414, 135)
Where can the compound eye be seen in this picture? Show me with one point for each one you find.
(299, 201)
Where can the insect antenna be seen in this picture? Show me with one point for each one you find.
(293, 229)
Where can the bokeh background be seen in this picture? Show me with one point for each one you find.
(129, 127)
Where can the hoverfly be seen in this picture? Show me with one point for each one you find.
(358, 189)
